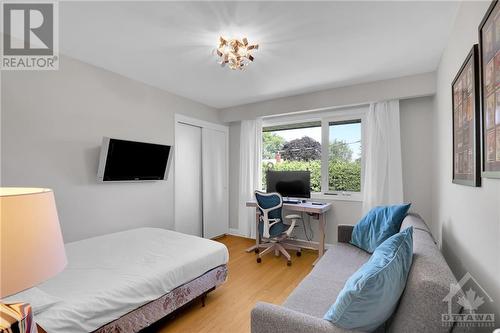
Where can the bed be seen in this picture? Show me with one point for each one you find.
(125, 281)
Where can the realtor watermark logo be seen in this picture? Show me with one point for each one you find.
(470, 297)
(30, 35)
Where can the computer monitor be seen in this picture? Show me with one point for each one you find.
(295, 184)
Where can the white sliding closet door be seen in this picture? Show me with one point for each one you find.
(188, 180)
(215, 179)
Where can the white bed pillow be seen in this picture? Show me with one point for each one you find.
(38, 299)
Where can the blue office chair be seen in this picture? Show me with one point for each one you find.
(272, 230)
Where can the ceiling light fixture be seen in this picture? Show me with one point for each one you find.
(235, 53)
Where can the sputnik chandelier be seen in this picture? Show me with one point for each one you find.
(235, 53)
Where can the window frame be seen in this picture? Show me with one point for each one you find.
(325, 137)
(326, 117)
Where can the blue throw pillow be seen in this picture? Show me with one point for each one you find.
(371, 294)
(379, 224)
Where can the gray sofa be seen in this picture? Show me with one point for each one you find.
(419, 309)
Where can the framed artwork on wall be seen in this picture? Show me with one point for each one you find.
(466, 122)
(489, 62)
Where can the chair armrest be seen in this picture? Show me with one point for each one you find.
(270, 318)
(344, 233)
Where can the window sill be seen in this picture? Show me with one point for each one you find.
(357, 197)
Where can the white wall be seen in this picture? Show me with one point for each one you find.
(52, 139)
(466, 220)
(52, 124)
(398, 88)
(416, 153)
(416, 114)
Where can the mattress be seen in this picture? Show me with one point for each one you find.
(111, 275)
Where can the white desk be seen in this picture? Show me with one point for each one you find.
(317, 212)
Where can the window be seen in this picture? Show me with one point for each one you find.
(330, 148)
(344, 156)
(293, 147)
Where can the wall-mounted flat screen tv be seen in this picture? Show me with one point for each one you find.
(123, 160)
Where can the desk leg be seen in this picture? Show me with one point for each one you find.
(257, 236)
(322, 230)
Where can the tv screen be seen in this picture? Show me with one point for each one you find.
(296, 184)
(123, 160)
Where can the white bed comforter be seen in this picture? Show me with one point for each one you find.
(109, 276)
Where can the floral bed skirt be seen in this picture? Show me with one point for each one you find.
(153, 311)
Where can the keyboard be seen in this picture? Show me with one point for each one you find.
(290, 201)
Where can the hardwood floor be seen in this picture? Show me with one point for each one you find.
(228, 307)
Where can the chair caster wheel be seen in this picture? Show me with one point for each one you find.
(259, 260)
(289, 263)
(299, 253)
(256, 250)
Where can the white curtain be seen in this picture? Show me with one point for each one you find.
(383, 176)
(250, 173)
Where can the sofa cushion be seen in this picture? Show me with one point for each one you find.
(371, 294)
(315, 294)
(421, 304)
(379, 224)
(414, 220)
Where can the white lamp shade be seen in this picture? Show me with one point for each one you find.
(32, 247)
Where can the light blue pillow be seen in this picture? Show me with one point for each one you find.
(379, 224)
(371, 294)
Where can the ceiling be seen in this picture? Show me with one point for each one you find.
(304, 46)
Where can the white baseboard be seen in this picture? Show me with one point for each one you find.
(327, 245)
(236, 232)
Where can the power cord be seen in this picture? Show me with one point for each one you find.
(310, 227)
(305, 228)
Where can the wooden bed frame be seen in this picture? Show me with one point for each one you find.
(151, 312)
